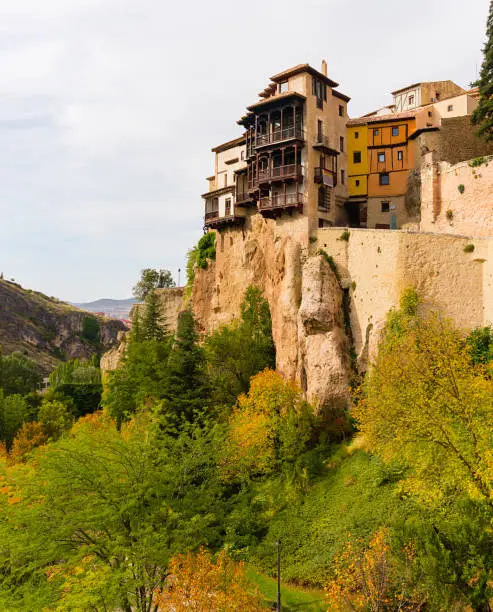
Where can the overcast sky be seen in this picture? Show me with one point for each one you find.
(109, 109)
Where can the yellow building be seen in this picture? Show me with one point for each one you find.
(358, 170)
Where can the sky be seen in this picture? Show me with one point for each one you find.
(109, 109)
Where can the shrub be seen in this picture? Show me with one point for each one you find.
(206, 249)
(345, 236)
(469, 248)
(330, 260)
(90, 329)
(461, 188)
(449, 214)
(313, 239)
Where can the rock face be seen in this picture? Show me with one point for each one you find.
(304, 296)
(47, 330)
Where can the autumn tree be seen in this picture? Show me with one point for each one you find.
(270, 427)
(429, 409)
(482, 116)
(199, 582)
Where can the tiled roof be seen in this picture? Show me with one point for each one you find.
(280, 96)
(285, 74)
(383, 118)
(229, 145)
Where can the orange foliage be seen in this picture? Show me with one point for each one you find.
(370, 579)
(96, 421)
(198, 582)
(29, 436)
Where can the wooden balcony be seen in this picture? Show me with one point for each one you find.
(319, 176)
(280, 174)
(277, 136)
(281, 202)
(212, 220)
(243, 198)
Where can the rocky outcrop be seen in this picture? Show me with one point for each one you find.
(47, 330)
(304, 296)
(323, 347)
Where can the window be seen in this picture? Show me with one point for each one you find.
(341, 143)
(324, 198)
(283, 87)
(357, 182)
(226, 179)
(430, 114)
(376, 132)
(341, 110)
(384, 178)
(242, 155)
(400, 155)
(319, 89)
(357, 157)
(410, 100)
(227, 207)
(343, 176)
(450, 108)
(356, 135)
(381, 158)
(320, 130)
(395, 131)
(385, 206)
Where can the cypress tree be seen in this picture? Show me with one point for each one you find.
(187, 390)
(153, 326)
(483, 114)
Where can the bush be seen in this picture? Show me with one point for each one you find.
(206, 249)
(449, 214)
(461, 188)
(469, 248)
(330, 260)
(345, 236)
(91, 329)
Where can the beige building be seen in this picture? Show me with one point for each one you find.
(421, 94)
(291, 161)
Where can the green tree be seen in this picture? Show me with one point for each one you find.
(55, 418)
(151, 279)
(18, 374)
(238, 351)
(152, 325)
(187, 391)
(14, 411)
(479, 343)
(91, 329)
(94, 520)
(483, 114)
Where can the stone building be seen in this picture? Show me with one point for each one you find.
(291, 161)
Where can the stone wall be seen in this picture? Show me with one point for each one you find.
(377, 265)
(457, 199)
(458, 141)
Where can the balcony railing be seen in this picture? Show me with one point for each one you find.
(212, 220)
(242, 197)
(289, 171)
(289, 133)
(321, 139)
(288, 200)
(319, 176)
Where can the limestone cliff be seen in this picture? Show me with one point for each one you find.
(304, 296)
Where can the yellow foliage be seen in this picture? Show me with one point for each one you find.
(197, 582)
(31, 435)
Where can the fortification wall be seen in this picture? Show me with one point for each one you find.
(457, 199)
(375, 266)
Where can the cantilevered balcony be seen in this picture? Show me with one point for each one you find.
(212, 220)
(287, 172)
(279, 135)
(281, 202)
(330, 177)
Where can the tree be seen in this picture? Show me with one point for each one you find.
(238, 351)
(479, 343)
(429, 409)
(92, 522)
(151, 279)
(55, 418)
(18, 374)
(269, 429)
(14, 411)
(370, 578)
(152, 326)
(483, 114)
(204, 584)
(30, 436)
(187, 391)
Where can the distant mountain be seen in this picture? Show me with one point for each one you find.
(48, 330)
(117, 309)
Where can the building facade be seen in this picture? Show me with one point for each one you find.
(291, 160)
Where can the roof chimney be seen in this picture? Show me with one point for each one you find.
(324, 67)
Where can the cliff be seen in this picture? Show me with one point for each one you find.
(49, 331)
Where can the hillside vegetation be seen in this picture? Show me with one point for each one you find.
(49, 331)
(176, 495)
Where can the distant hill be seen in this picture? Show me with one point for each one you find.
(48, 330)
(117, 309)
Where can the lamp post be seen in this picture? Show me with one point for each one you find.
(179, 271)
(278, 544)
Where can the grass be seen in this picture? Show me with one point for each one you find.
(292, 598)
